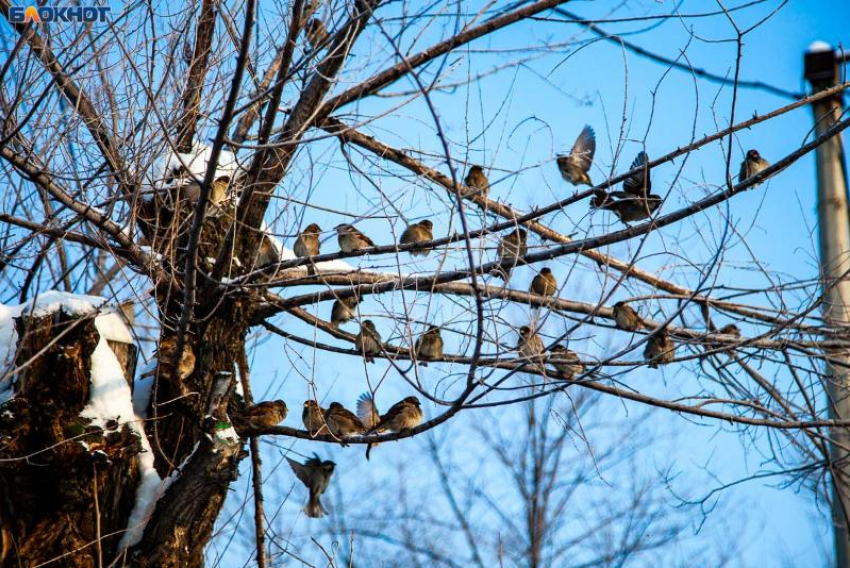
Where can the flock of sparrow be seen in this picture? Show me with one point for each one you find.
(634, 203)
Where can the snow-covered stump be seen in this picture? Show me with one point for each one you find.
(70, 443)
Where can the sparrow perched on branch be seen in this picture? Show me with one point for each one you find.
(342, 422)
(367, 411)
(267, 253)
(575, 165)
(218, 190)
(639, 183)
(477, 181)
(368, 341)
(511, 249)
(261, 415)
(307, 244)
(344, 310)
(313, 417)
(566, 362)
(165, 354)
(626, 207)
(316, 33)
(350, 239)
(752, 165)
(429, 345)
(401, 416)
(420, 232)
(626, 317)
(315, 474)
(544, 284)
(659, 350)
(530, 346)
(730, 329)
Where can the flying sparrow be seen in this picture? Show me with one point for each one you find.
(575, 165)
(315, 474)
(639, 183)
(420, 232)
(626, 207)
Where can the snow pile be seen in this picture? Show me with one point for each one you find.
(109, 398)
(195, 163)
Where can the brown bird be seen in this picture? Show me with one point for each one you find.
(261, 415)
(313, 417)
(350, 239)
(544, 284)
(752, 165)
(316, 33)
(401, 416)
(429, 345)
(165, 354)
(477, 180)
(626, 317)
(368, 341)
(218, 191)
(639, 183)
(307, 244)
(268, 253)
(367, 411)
(315, 474)
(511, 249)
(530, 346)
(342, 422)
(420, 232)
(566, 362)
(659, 350)
(730, 329)
(344, 310)
(576, 164)
(627, 208)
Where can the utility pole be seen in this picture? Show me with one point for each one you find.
(821, 70)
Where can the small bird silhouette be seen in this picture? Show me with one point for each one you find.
(350, 239)
(307, 244)
(267, 253)
(344, 310)
(639, 183)
(511, 249)
(730, 329)
(261, 415)
(368, 341)
(313, 417)
(626, 317)
(575, 165)
(566, 362)
(627, 208)
(316, 33)
(165, 354)
(659, 350)
(529, 345)
(544, 284)
(420, 232)
(752, 165)
(477, 180)
(315, 474)
(429, 345)
(342, 422)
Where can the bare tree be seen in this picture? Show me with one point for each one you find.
(160, 157)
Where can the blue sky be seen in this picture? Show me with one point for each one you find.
(537, 109)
